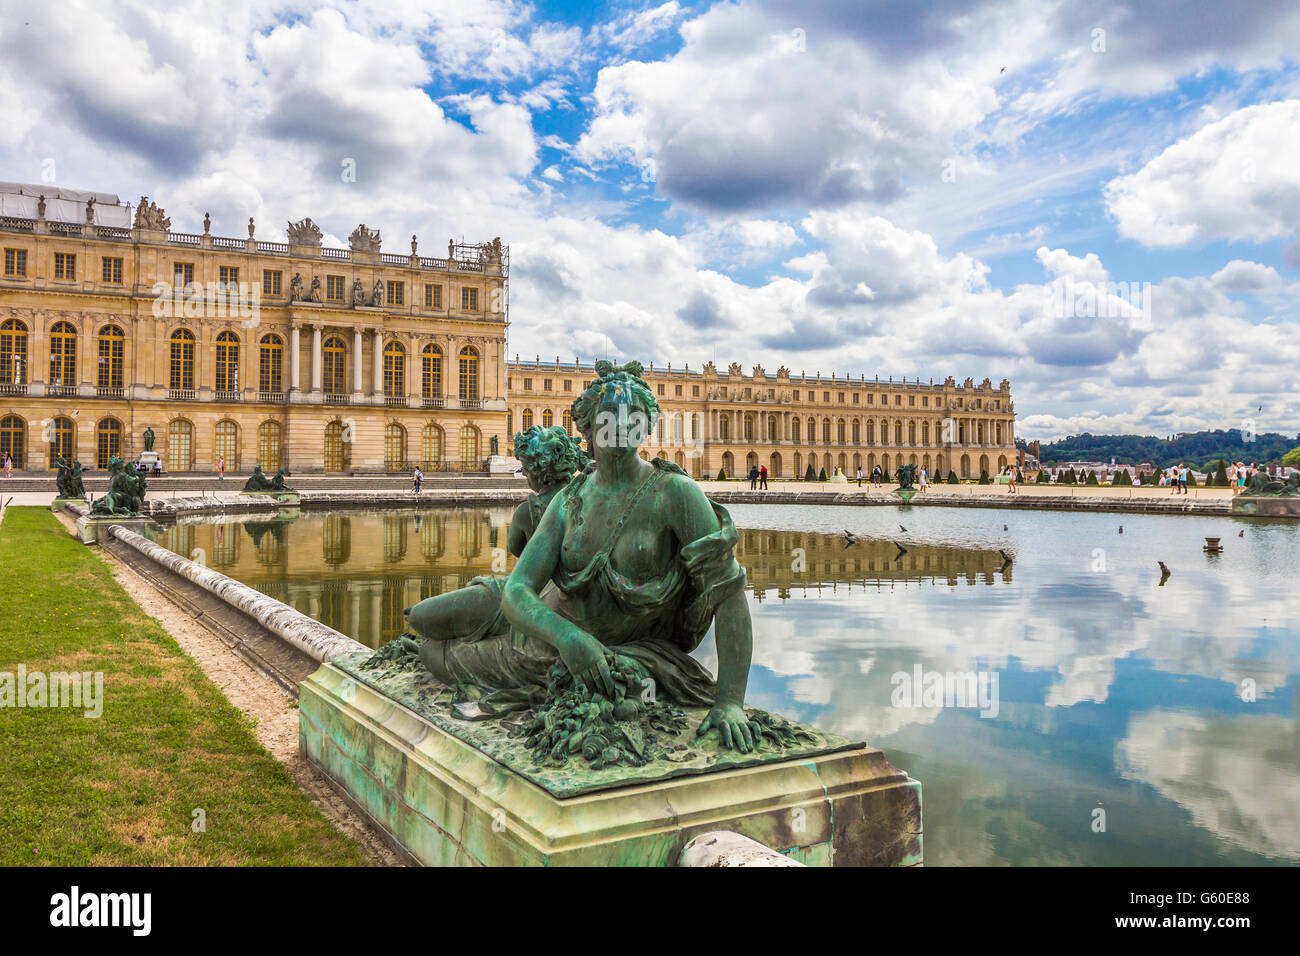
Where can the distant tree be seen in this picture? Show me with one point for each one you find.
(1221, 476)
(1292, 458)
(1043, 477)
(810, 474)
(821, 475)
(952, 477)
(1092, 478)
(884, 475)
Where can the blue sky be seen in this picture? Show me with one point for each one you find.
(868, 188)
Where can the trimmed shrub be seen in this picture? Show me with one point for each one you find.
(1092, 478)
(821, 475)
(1221, 476)
(722, 475)
(1043, 477)
(952, 478)
(810, 474)
(985, 479)
(1122, 479)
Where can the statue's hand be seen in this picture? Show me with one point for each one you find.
(735, 730)
(584, 656)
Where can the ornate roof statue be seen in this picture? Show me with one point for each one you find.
(491, 250)
(710, 368)
(783, 372)
(1005, 385)
(759, 372)
(363, 239)
(304, 233)
(734, 369)
(90, 210)
(149, 215)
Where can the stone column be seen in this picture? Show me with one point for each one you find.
(315, 358)
(379, 365)
(356, 362)
(295, 359)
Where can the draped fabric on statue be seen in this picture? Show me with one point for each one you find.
(661, 619)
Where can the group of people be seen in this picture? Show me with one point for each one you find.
(758, 478)
(1176, 479)
(1239, 474)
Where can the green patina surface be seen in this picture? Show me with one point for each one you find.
(670, 747)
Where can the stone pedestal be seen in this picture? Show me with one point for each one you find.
(91, 527)
(450, 796)
(148, 459)
(1266, 506)
(501, 465)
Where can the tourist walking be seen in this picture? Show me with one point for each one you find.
(417, 478)
(875, 475)
(925, 478)
(762, 477)
(1182, 479)
(9, 466)
(753, 477)
(221, 468)
(859, 477)
(1011, 479)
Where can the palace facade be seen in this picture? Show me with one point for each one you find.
(291, 355)
(713, 421)
(320, 359)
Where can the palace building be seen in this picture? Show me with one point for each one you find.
(318, 359)
(712, 421)
(290, 355)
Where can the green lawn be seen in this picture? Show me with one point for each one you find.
(121, 789)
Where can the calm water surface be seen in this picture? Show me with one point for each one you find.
(1114, 692)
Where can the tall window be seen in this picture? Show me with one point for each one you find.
(61, 441)
(112, 270)
(270, 364)
(182, 274)
(272, 281)
(63, 354)
(794, 431)
(396, 292)
(857, 432)
(394, 447)
(431, 445)
(108, 442)
(566, 419)
(180, 445)
(469, 300)
(826, 431)
(548, 418)
(468, 443)
(839, 431)
(182, 359)
(16, 263)
(334, 288)
(469, 374)
(332, 366)
(13, 439)
(724, 427)
(431, 372)
(394, 370)
(226, 444)
(13, 353)
(65, 266)
(432, 296)
(228, 276)
(526, 420)
(749, 426)
(227, 362)
(334, 446)
(268, 446)
(112, 348)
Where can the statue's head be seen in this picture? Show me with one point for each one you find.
(550, 456)
(114, 464)
(617, 410)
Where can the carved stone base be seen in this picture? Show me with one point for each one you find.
(91, 527)
(447, 803)
(58, 504)
(1266, 507)
(287, 497)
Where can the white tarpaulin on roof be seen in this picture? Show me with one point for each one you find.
(62, 205)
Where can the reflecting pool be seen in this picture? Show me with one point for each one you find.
(1125, 720)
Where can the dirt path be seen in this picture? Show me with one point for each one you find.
(274, 713)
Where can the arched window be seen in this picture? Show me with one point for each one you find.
(13, 439)
(63, 355)
(431, 372)
(566, 419)
(773, 433)
(108, 442)
(180, 445)
(394, 447)
(925, 435)
(62, 441)
(227, 379)
(748, 426)
(911, 433)
(510, 426)
(526, 419)
(181, 369)
(548, 418)
(469, 444)
(871, 433)
(112, 349)
(394, 371)
(840, 435)
(724, 427)
(857, 432)
(270, 365)
(794, 433)
(798, 460)
(431, 446)
(333, 378)
(469, 391)
(269, 443)
(13, 353)
(334, 446)
(226, 444)
(812, 430)
(898, 433)
(826, 431)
